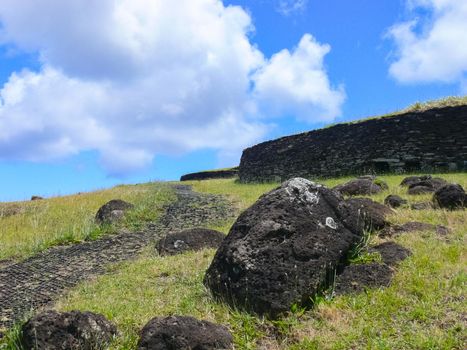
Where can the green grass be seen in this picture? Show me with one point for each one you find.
(29, 227)
(424, 308)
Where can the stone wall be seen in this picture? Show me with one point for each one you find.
(213, 174)
(433, 140)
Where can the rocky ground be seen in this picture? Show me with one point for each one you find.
(38, 281)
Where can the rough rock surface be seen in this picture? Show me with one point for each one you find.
(214, 174)
(426, 186)
(191, 239)
(395, 201)
(52, 330)
(370, 213)
(413, 226)
(184, 333)
(391, 252)
(284, 249)
(112, 211)
(361, 187)
(451, 196)
(421, 206)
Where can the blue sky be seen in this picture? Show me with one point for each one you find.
(96, 93)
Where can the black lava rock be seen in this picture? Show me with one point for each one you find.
(410, 180)
(358, 277)
(426, 186)
(192, 239)
(391, 252)
(395, 201)
(371, 214)
(451, 197)
(184, 333)
(412, 226)
(52, 330)
(361, 187)
(112, 211)
(284, 249)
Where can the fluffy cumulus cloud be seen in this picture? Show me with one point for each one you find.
(135, 78)
(434, 49)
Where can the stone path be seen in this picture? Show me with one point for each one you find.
(41, 279)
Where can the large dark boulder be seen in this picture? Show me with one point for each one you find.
(426, 186)
(52, 330)
(395, 201)
(451, 197)
(192, 239)
(112, 211)
(184, 333)
(282, 250)
(371, 214)
(361, 187)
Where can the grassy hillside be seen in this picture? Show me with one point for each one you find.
(424, 308)
(29, 227)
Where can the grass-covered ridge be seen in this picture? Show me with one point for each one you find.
(422, 309)
(29, 227)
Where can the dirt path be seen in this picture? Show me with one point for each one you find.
(41, 279)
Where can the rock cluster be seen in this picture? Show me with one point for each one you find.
(285, 248)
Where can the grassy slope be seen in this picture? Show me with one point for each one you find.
(424, 308)
(37, 225)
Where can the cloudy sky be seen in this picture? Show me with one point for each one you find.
(99, 92)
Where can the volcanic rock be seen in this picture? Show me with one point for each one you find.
(413, 226)
(394, 201)
(410, 180)
(358, 277)
(36, 198)
(370, 213)
(112, 211)
(282, 250)
(192, 239)
(361, 187)
(184, 333)
(426, 186)
(451, 197)
(391, 252)
(52, 330)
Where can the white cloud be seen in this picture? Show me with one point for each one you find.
(296, 83)
(135, 78)
(434, 49)
(288, 7)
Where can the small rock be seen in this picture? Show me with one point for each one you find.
(36, 198)
(361, 187)
(371, 213)
(391, 252)
(451, 197)
(412, 226)
(112, 211)
(184, 333)
(52, 330)
(394, 201)
(357, 277)
(410, 180)
(421, 206)
(192, 239)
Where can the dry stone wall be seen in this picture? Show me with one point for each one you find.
(433, 140)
